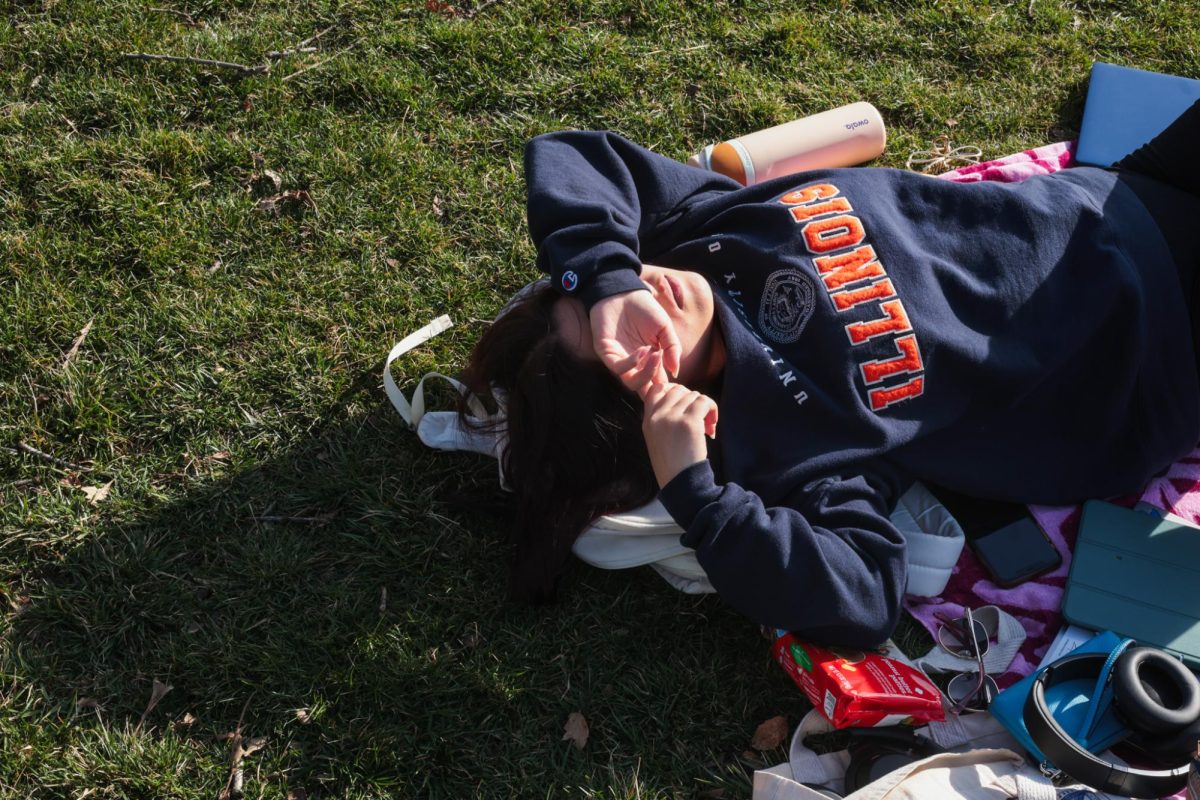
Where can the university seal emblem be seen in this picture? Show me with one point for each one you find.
(787, 304)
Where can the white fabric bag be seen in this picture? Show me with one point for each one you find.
(983, 765)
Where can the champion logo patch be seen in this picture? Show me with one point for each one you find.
(570, 280)
(787, 304)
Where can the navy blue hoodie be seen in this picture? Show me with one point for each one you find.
(1024, 342)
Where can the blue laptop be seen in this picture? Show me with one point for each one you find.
(1126, 108)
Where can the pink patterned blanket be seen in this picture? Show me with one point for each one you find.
(1036, 603)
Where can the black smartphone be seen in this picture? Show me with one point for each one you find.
(1008, 541)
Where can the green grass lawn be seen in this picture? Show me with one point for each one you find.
(230, 375)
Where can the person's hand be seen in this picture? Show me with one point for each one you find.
(623, 325)
(674, 423)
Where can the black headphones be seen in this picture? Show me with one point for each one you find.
(1156, 696)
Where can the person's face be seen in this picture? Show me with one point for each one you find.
(687, 299)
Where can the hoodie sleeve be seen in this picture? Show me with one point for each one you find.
(598, 204)
(829, 566)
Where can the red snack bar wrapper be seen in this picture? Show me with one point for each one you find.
(858, 689)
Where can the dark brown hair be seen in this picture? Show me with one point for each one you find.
(574, 447)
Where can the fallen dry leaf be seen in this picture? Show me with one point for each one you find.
(20, 604)
(472, 638)
(75, 344)
(160, 689)
(96, 494)
(382, 599)
(303, 716)
(297, 794)
(248, 746)
(770, 734)
(266, 182)
(293, 201)
(576, 730)
(437, 206)
(184, 722)
(242, 747)
(87, 704)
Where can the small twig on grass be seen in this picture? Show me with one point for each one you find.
(304, 47)
(241, 69)
(320, 519)
(187, 18)
(275, 55)
(58, 462)
(240, 749)
(312, 66)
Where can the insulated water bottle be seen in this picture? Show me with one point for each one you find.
(841, 137)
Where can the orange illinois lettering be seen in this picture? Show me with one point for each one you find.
(833, 233)
(849, 267)
(834, 206)
(818, 191)
(882, 398)
(850, 298)
(909, 360)
(852, 276)
(896, 321)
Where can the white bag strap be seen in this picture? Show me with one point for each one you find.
(412, 412)
(828, 769)
(1034, 788)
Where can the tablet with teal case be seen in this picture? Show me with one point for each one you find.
(1137, 575)
(1126, 108)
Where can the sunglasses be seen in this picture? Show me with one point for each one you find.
(967, 637)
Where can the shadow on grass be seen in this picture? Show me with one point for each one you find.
(349, 597)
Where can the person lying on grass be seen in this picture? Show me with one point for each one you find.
(805, 348)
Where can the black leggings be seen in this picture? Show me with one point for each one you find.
(1165, 175)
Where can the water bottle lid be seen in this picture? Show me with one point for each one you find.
(732, 159)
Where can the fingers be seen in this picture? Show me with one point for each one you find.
(662, 397)
(703, 406)
(672, 349)
(622, 363)
(664, 400)
(638, 369)
(646, 370)
(623, 323)
(674, 423)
